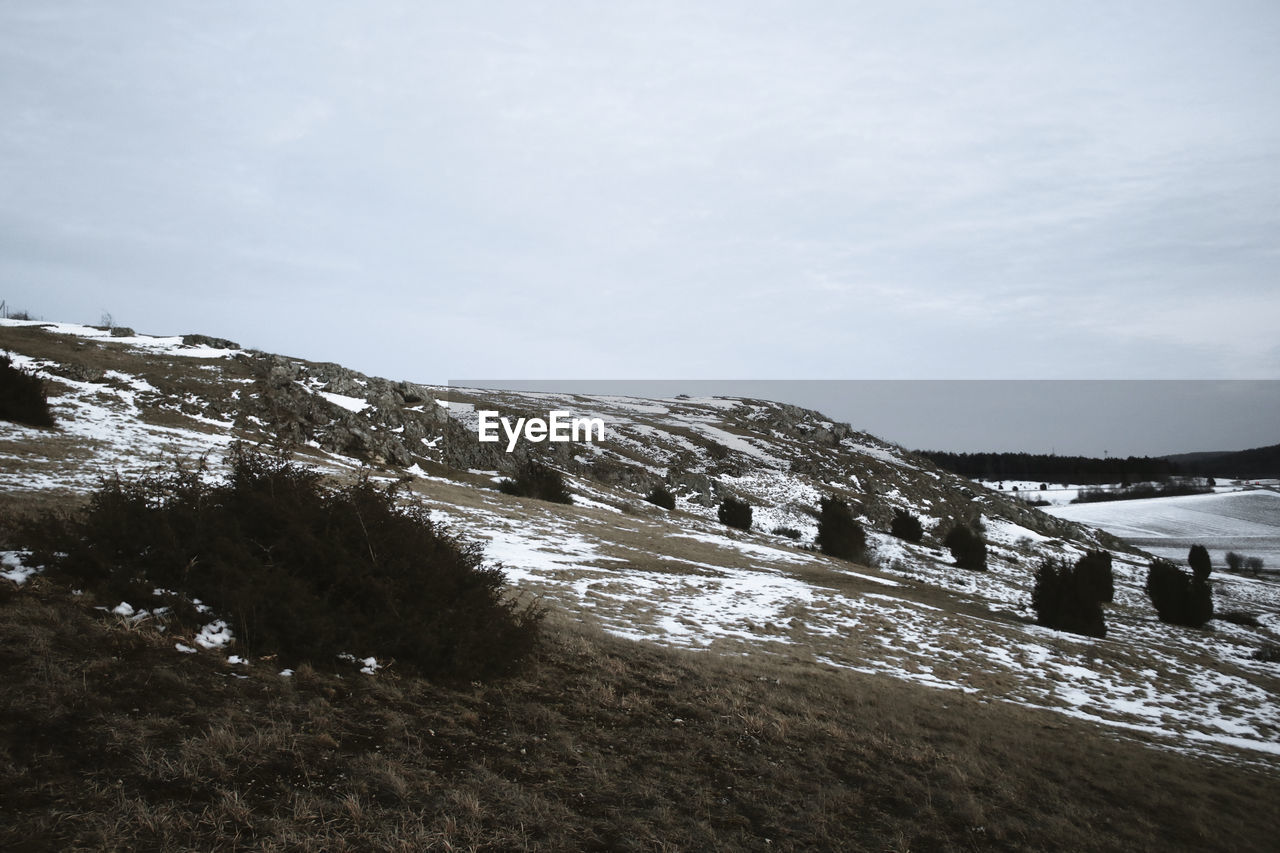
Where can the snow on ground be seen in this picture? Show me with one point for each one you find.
(99, 430)
(216, 635)
(166, 345)
(1247, 522)
(101, 434)
(754, 597)
(741, 444)
(12, 569)
(707, 402)
(1029, 490)
(351, 404)
(884, 454)
(1063, 494)
(637, 405)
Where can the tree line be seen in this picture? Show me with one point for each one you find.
(1256, 463)
(1050, 468)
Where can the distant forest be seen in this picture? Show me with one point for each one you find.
(1258, 463)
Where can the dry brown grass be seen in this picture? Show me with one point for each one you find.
(111, 740)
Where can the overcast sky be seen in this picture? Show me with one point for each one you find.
(808, 190)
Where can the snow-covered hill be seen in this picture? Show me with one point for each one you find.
(129, 404)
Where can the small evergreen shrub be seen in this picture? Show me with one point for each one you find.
(1254, 565)
(906, 526)
(1167, 589)
(1201, 565)
(296, 569)
(968, 547)
(1179, 599)
(661, 497)
(735, 513)
(1065, 598)
(789, 532)
(536, 480)
(1235, 562)
(1200, 592)
(22, 396)
(839, 533)
(1094, 571)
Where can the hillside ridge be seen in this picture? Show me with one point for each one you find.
(129, 403)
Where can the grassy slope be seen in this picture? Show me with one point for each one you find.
(111, 740)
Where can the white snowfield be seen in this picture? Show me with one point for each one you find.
(1247, 522)
(682, 579)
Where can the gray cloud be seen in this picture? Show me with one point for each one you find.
(928, 190)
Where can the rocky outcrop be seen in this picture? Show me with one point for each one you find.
(207, 341)
(698, 488)
(376, 421)
(76, 371)
(804, 424)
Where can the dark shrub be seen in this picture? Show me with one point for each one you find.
(1200, 593)
(1235, 562)
(1177, 598)
(968, 547)
(839, 534)
(22, 396)
(789, 532)
(735, 513)
(535, 480)
(1254, 565)
(1093, 571)
(661, 497)
(297, 570)
(1201, 565)
(1167, 587)
(1239, 617)
(1199, 603)
(1065, 599)
(906, 526)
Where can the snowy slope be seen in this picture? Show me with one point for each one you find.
(680, 578)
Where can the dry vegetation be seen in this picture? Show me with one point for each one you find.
(111, 740)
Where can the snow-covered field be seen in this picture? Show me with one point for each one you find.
(1247, 522)
(1057, 494)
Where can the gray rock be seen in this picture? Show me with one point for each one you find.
(77, 372)
(207, 341)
